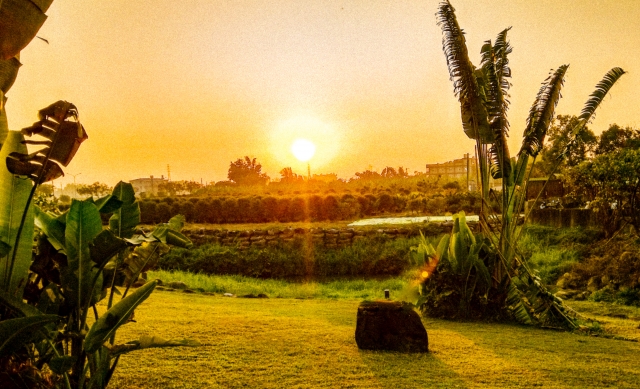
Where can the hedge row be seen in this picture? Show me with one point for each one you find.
(258, 209)
(297, 260)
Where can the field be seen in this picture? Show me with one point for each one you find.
(309, 343)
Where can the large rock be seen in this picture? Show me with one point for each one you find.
(390, 325)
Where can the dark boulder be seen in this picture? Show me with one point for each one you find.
(390, 325)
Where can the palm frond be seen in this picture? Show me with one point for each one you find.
(518, 305)
(503, 48)
(542, 111)
(602, 88)
(462, 72)
(497, 104)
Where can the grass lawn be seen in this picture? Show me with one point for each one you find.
(291, 343)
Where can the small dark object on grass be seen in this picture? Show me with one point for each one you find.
(253, 296)
(390, 325)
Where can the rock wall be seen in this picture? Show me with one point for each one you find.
(567, 217)
(329, 237)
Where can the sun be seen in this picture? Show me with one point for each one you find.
(303, 149)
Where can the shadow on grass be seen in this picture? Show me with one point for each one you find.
(559, 357)
(398, 370)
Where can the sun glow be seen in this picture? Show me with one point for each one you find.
(304, 137)
(303, 149)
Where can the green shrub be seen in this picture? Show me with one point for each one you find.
(270, 208)
(229, 210)
(148, 212)
(330, 208)
(188, 210)
(371, 257)
(163, 211)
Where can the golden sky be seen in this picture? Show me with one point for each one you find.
(196, 84)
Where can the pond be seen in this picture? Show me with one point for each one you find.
(407, 220)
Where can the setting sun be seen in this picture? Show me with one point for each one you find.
(303, 149)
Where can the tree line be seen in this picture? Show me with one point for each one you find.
(285, 209)
(600, 172)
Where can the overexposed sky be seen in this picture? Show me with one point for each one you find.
(195, 84)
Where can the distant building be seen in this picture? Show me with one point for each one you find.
(453, 169)
(457, 169)
(148, 186)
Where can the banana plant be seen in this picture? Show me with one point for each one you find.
(60, 126)
(91, 261)
(15, 247)
(460, 256)
(20, 20)
(484, 101)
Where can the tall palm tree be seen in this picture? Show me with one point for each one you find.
(483, 94)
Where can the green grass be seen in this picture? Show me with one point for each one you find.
(288, 343)
(239, 285)
(553, 252)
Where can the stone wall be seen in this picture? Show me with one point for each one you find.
(568, 217)
(328, 237)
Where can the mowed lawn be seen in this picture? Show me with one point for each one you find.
(289, 343)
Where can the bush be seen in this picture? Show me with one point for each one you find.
(315, 208)
(200, 211)
(257, 211)
(385, 203)
(163, 212)
(270, 208)
(330, 208)
(188, 210)
(297, 210)
(365, 205)
(148, 212)
(229, 210)
(214, 215)
(282, 214)
(371, 257)
(244, 210)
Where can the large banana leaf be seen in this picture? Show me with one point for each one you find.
(542, 112)
(462, 72)
(124, 220)
(595, 99)
(52, 227)
(20, 20)
(151, 342)
(602, 88)
(8, 73)
(14, 193)
(143, 258)
(105, 246)
(15, 333)
(495, 71)
(58, 124)
(115, 317)
(4, 124)
(108, 204)
(83, 225)
(17, 306)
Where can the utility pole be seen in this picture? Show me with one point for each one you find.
(75, 187)
(468, 171)
(168, 172)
